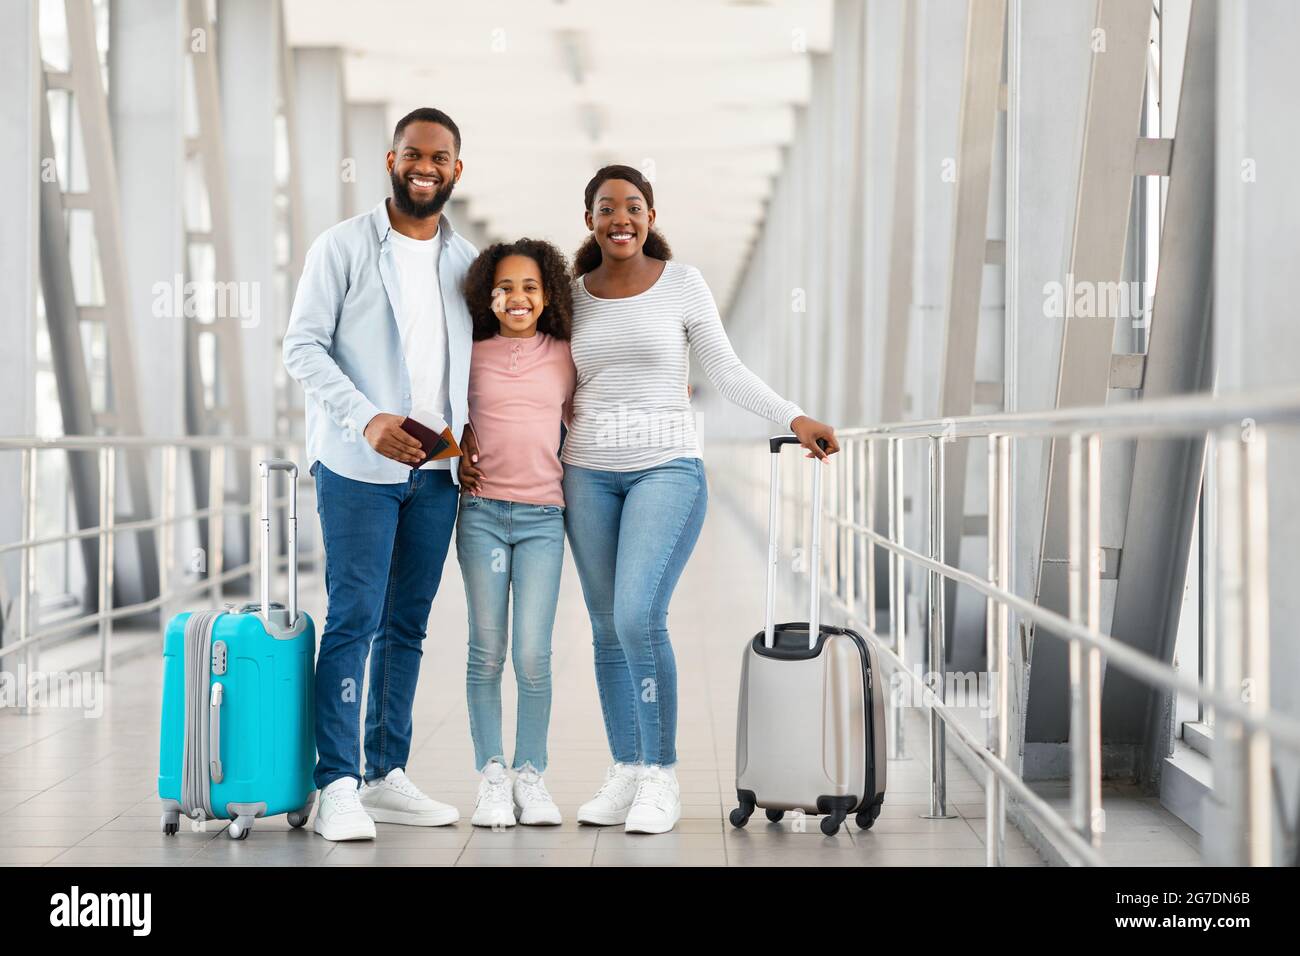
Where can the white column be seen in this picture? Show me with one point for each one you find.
(249, 56)
(146, 65)
(883, 28)
(369, 139)
(321, 136)
(1257, 340)
(940, 66)
(1049, 55)
(20, 166)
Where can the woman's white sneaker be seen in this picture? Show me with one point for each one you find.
(658, 805)
(614, 798)
(495, 807)
(395, 799)
(340, 815)
(533, 803)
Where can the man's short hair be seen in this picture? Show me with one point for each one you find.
(426, 114)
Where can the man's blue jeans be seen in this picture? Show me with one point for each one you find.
(631, 533)
(507, 547)
(384, 550)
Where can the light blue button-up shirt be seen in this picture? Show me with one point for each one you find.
(344, 346)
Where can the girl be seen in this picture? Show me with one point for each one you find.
(510, 531)
(633, 479)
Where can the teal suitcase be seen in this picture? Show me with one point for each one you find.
(238, 719)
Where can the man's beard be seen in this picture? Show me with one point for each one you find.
(419, 210)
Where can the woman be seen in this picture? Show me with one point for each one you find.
(634, 486)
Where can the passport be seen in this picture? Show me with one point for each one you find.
(433, 433)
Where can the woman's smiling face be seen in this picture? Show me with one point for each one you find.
(518, 295)
(620, 218)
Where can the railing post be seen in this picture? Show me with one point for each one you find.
(935, 664)
(107, 509)
(1243, 641)
(216, 521)
(997, 617)
(27, 575)
(897, 612)
(1084, 516)
(1255, 651)
(1209, 575)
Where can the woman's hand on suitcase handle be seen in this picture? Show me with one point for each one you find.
(385, 434)
(809, 431)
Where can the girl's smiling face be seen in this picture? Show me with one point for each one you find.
(518, 295)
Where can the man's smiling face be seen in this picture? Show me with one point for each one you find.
(424, 167)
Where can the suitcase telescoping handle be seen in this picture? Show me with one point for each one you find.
(265, 468)
(775, 445)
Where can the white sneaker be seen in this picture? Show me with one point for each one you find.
(494, 807)
(396, 800)
(533, 804)
(340, 815)
(614, 798)
(658, 803)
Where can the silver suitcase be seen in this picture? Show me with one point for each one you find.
(810, 726)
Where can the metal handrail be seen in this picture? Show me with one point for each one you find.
(216, 510)
(94, 442)
(1234, 426)
(1166, 417)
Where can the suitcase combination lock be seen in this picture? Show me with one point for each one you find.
(219, 657)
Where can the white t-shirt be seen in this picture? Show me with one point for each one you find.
(422, 323)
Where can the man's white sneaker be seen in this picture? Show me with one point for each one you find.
(340, 815)
(396, 800)
(533, 803)
(494, 807)
(658, 803)
(614, 798)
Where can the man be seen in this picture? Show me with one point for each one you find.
(379, 327)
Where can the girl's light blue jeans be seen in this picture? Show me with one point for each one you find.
(506, 547)
(631, 533)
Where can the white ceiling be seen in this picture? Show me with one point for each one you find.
(699, 94)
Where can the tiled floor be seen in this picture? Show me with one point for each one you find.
(77, 791)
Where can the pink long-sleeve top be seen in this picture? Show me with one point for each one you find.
(520, 390)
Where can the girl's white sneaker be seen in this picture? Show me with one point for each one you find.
(493, 808)
(533, 803)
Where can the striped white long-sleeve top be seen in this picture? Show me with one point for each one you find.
(631, 409)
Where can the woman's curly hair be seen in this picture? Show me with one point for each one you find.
(588, 255)
(556, 319)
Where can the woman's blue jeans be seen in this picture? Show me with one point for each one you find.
(505, 547)
(631, 533)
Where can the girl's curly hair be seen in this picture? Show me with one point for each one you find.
(556, 319)
(588, 256)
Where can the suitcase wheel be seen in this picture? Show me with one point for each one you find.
(831, 824)
(867, 817)
(240, 828)
(740, 816)
(297, 818)
(775, 815)
(171, 822)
